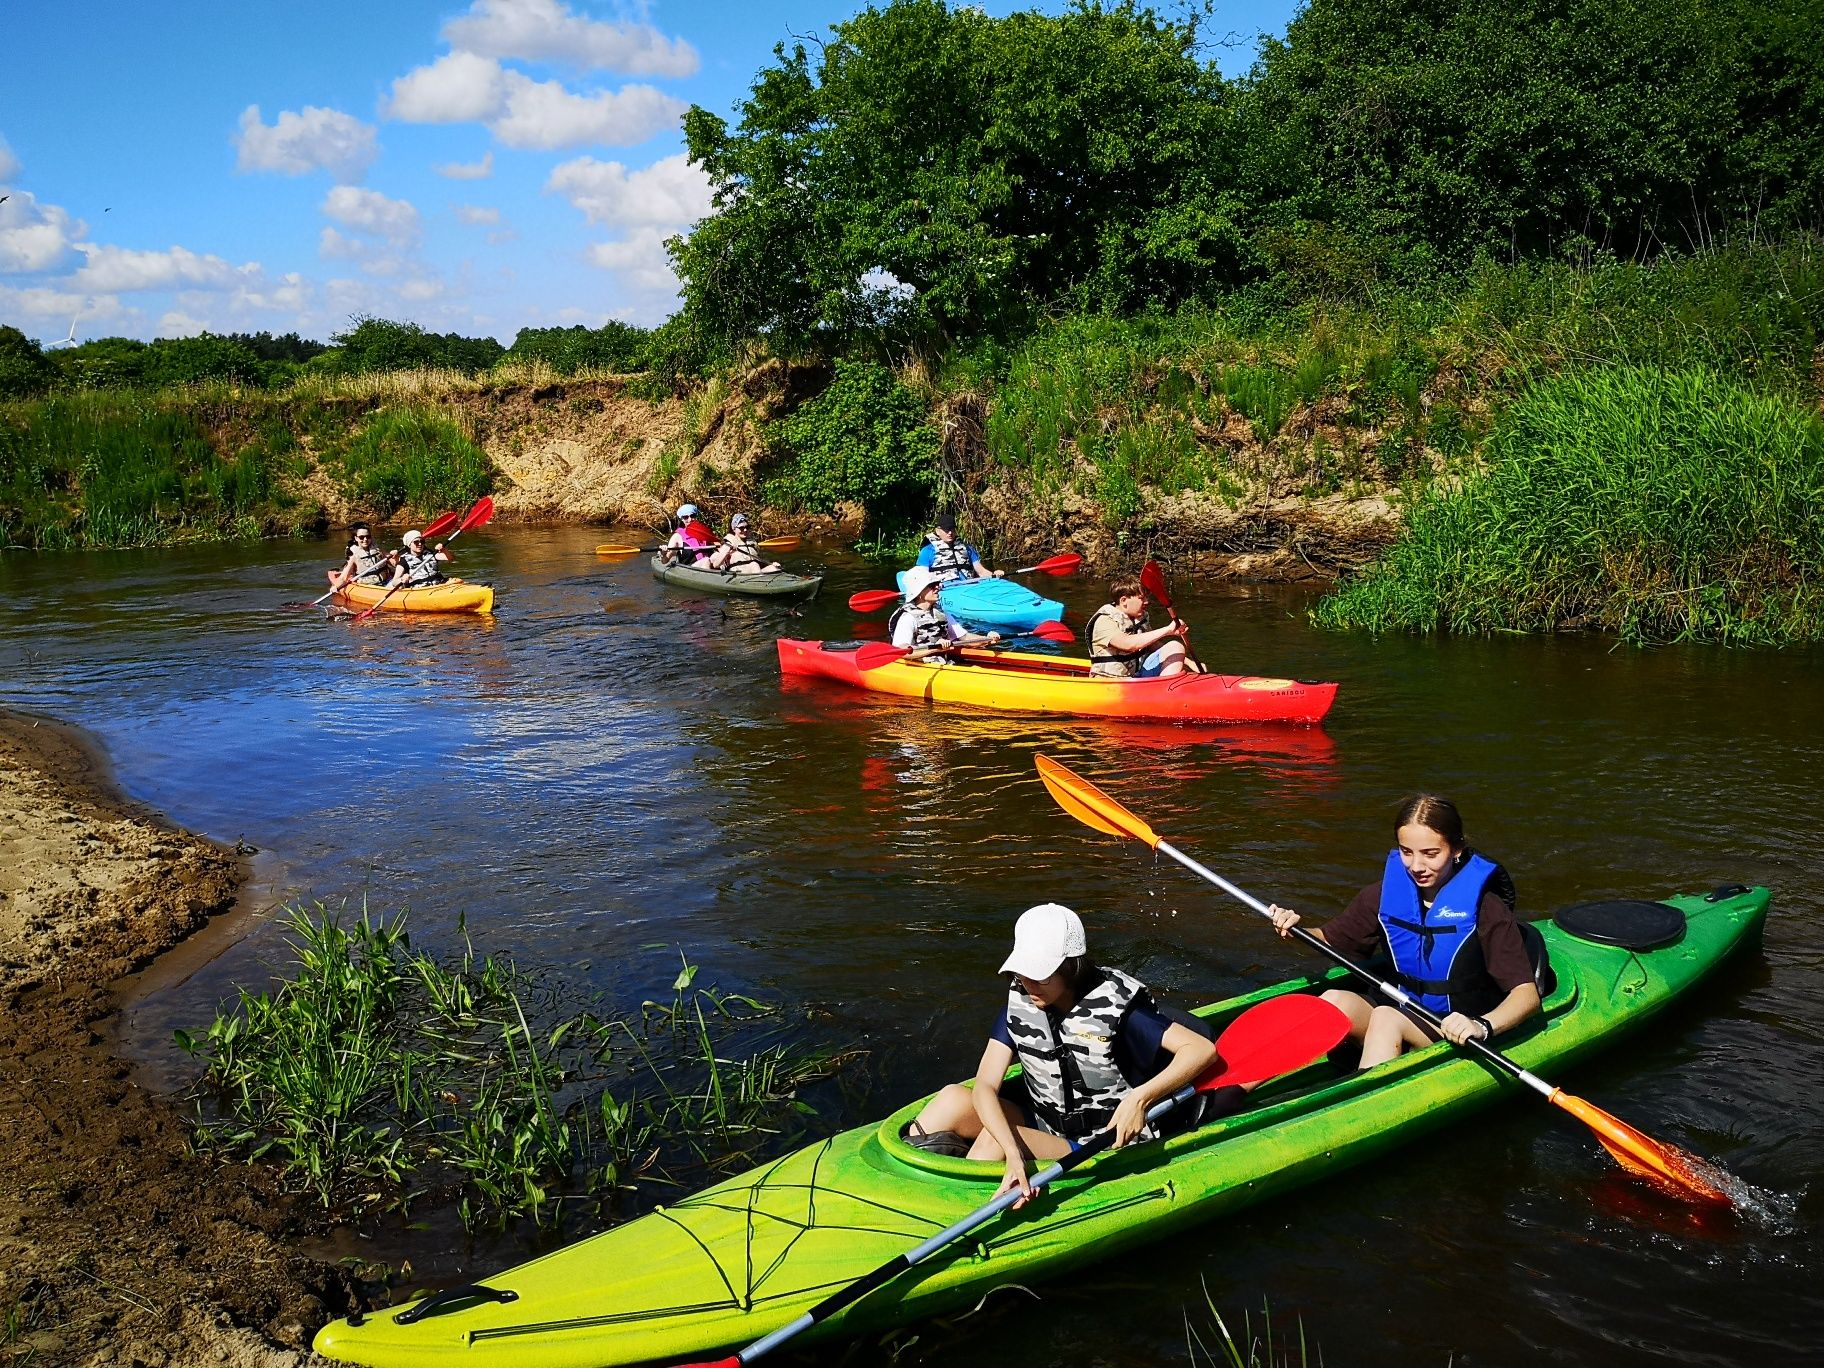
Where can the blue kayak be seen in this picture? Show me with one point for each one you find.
(994, 603)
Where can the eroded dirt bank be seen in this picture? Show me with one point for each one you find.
(118, 1245)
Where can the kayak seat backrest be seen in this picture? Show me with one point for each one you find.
(1627, 923)
(1545, 978)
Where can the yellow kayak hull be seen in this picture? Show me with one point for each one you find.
(452, 596)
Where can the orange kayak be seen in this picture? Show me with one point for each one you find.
(1030, 682)
(452, 596)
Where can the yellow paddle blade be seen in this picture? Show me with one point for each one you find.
(611, 549)
(1665, 1166)
(780, 544)
(1089, 805)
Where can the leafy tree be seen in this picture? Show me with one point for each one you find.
(943, 171)
(104, 363)
(614, 346)
(866, 439)
(187, 360)
(378, 344)
(1532, 127)
(24, 368)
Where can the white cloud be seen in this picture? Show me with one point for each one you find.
(543, 115)
(480, 170)
(125, 269)
(546, 31)
(521, 112)
(458, 87)
(639, 260)
(9, 164)
(314, 140)
(672, 192)
(177, 324)
(52, 309)
(421, 289)
(34, 236)
(369, 211)
(477, 214)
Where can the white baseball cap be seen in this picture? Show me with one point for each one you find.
(1043, 938)
(687, 510)
(918, 579)
(416, 535)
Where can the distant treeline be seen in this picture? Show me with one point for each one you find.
(263, 361)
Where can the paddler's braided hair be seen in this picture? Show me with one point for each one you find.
(1441, 815)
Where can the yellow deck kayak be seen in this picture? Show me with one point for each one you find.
(452, 596)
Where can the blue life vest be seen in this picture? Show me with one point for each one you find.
(1437, 955)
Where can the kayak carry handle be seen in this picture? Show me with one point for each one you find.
(477, 1292)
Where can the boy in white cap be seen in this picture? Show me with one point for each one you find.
(1094, 1050)
(737, 554)
(923, 629)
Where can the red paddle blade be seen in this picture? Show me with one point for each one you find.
(870, 599)
(479, 513)
(440, 524)
(1060, 565)
(878, 653)
(1275, 1037)
(1152, 579)
(734, 1362)
(1053, 631)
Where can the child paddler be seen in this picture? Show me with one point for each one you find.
(921, 628)
(1095, 1051)
(1121, 646)
(950, 557)
(1446, 915)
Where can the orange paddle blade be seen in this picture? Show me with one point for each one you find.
(1665, 1166)
(1089, 805)
(780, 544)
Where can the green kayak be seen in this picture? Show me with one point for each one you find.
(776, 584)
(722, 1268)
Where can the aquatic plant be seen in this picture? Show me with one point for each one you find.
(1661, 506)
(1215, 1343)
(371, 1063)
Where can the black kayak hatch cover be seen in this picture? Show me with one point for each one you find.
(1631, 924)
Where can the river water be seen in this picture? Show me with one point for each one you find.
(610, 770)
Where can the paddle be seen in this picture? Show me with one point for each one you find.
(1152, 579)
(479, 512)
(1270, 1038)
(878, 653)
(443, 522)
(869, 600)
(1058, 565)
(1664, 1164)
(770, 544)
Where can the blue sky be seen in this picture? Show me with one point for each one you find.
(475, 166)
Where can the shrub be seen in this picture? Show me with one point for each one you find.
(412, 458)
(24, 368)
(866, 439)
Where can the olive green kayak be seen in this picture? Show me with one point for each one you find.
(722, 1268)
(779, 582)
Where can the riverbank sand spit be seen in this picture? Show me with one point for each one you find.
(118, 1245)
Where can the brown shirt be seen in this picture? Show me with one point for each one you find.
(1358, 932)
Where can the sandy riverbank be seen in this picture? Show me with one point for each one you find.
(118, 1245)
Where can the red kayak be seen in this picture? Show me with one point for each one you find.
(1019, 681)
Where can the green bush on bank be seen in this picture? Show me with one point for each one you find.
(866, 439)
(1661, 506)
(410, 458)
(126, 469)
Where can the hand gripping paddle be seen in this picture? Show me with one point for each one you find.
(1665, 1165)
(1270, 1038)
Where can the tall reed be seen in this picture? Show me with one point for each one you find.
(1661, 506)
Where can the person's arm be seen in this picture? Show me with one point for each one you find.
(1508, 964)
(1142, 641)
(982, 571)
(441, 554)
(1353, 933)
(989, 1075)
(341, 578)
(1191, 1055)
(926, 555)
(1516, 1007)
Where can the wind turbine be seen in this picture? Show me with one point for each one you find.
(69, 341)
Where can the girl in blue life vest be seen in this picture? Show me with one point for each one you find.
(1446, 915)
(1095, 1053)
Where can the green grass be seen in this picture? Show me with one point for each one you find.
(1659, 506)
(410, 458)
(95, 469)
(370, 1065)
